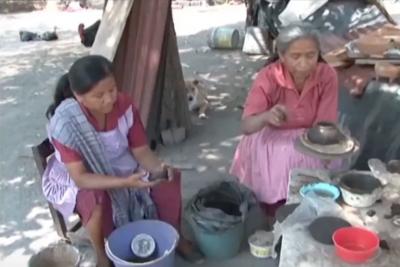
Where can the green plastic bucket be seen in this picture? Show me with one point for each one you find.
(219, 245)
(224, 38)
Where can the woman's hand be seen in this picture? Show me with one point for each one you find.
(136, 181)
(276, 116)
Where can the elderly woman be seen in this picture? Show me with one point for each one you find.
(102, 160)
(290, 94)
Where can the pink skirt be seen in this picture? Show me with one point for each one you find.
(263, 162)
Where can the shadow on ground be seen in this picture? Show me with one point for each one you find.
(28, 74)
(209, 149)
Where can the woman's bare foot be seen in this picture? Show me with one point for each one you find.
(189, 252)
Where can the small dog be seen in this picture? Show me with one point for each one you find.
(197, 98)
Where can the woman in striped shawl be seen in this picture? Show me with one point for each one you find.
(102, 160)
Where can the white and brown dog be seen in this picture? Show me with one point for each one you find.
(197, 98)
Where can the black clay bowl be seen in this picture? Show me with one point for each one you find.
(359, 183)
(322, 228)
(325, 133)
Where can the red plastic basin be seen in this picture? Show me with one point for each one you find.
(355, 245)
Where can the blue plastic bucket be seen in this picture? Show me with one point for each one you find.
(118, 245)
(219, 245)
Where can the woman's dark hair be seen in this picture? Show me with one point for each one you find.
(62, 92)
(83, 75)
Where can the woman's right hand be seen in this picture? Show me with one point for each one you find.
(136, 181)
(276, 116)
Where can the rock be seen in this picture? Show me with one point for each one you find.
(384, 245)
(371, 213)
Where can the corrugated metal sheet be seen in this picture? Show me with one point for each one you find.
(343, 20)
(140, 50)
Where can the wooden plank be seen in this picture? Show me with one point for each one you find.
(138, 58)
(153, 128)
(174, 109)
(169, 106)
(373, 61)
(111, 28)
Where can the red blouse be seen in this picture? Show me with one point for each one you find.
(318, 101)
(136, 135)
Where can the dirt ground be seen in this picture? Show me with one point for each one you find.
(28, 72)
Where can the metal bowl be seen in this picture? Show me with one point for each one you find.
(325, 133)
(359, 182)
(360, 189)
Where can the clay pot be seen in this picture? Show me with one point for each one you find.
(325, 133)
(371, 45)
(387, 70)
(388, 29)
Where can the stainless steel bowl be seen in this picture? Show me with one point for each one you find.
(360, 189)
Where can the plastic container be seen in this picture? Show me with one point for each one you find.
(118, 246)
(57, 255)
(320, 189)
(261, 243)
(355, 245)
(219, 245)
(224, 38)
(144, 248)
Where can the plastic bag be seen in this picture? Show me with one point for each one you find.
(221, 206)
(311, 207)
